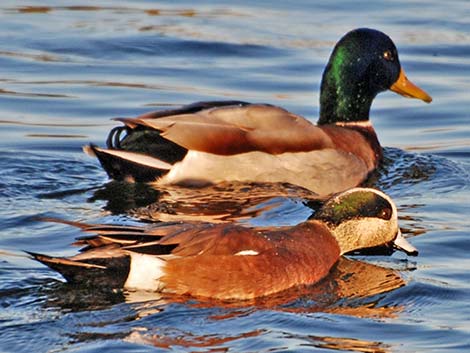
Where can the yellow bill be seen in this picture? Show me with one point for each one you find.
(408, 89)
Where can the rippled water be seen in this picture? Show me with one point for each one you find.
(66, 69)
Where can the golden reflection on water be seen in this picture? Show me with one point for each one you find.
(183, 12)
(201, 32)
(34, 9)
(140, 335)
(187, 339)
(35, 57)
(438, 146)
(220, 203)
(27, 123)
(55, 136)
(351, 289)
(158, 87)
(344, 291)
(349, 344)
(26, 94)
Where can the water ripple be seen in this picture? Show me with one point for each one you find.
(72, 67)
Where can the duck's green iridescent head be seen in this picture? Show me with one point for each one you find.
(363, 63)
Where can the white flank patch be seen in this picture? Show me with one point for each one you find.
(247, 253)
(145, 272)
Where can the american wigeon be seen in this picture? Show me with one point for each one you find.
(210, 142)
(230, 261)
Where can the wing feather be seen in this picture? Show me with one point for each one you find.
(238, 129)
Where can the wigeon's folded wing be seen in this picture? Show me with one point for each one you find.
(218, 240)
(225, 261)
(237, 129)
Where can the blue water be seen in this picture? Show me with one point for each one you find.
(67, 68)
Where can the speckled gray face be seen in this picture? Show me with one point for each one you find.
(354, 206)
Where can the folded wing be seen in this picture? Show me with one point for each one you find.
(237, 129)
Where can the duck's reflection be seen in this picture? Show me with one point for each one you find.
(235, 201)
(348, 344)
(187, 339)
(215, 203)
(353, 288)
(218, 343)
(350, 289)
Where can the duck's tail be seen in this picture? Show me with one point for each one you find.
(138, 152)
(129, 166)
(103, 273)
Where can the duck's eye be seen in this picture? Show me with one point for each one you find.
(388, 55)
(385, 213)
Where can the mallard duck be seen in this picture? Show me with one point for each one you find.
(230, 261)
(210, 142)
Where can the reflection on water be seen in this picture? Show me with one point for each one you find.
(152, 12)
(217, 203)
(349, 344)
(185, 339)
(38, 57)
(354, 288)
(66, 69)
(288, 204)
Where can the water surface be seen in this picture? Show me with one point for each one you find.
(66, 69)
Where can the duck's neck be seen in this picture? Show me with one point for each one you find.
(344, 97)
